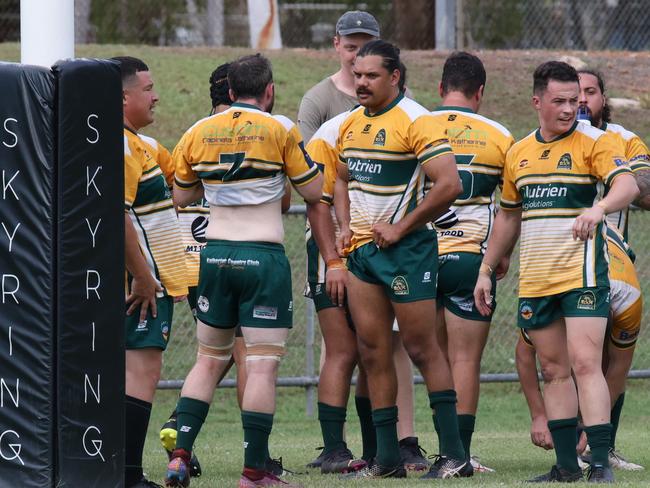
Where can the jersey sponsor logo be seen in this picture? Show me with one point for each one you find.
(450, 233)
(366, 129)
(400, 286)
(587, 301)
(565, 161)
(523, 163)
(265, 313)
(620, 162)
(545, 154)
(542, 195)
(451, 118)
(203, 303)
(380, 138)
(199, 226)
(348, 136)
(526, 311)
(236, 115)
(362, 166)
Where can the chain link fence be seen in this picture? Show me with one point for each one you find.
(413, 24)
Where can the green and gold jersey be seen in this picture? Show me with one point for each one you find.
(322, 151)
(148, 203)
(384, 153)
(552, 183)
(193, 221)
(241, 157)
(480, 146)
(638, 157)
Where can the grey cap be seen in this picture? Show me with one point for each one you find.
(357, 22)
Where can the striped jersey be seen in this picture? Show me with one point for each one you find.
(480, 146)
(384, 153)
(241, 157)
(148, 203)
(193, 221)
(322, 151)
(554, 182)
(638, 157)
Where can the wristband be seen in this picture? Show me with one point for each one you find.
(602, 204)
(486, 269)
(336, 263)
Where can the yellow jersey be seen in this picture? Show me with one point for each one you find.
(193, 221)
(148, 203)
(384, 153)
(241, 157)
(638, 157)
(552, 183)
(480, 146)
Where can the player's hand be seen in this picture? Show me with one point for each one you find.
(585, 223)
(385, 234)
(343, 241)
(143, 295)
(483, 294)
(336, 280)
(539, 433)
(502, 267)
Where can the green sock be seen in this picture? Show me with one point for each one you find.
(332, 420)
(368, 434)
(598, 437)
(257, 428)
(385, 422)
(444, 405)
(563, 432)
(616, 417)
(191, 414)
(466, 425)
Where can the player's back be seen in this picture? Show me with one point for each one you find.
(480, 146)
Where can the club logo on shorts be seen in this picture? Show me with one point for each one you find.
(565, 162)
(265, 313)
(587, 301)
(380, 138)
(466, 304)
(164, 328)
(142, 326)
(545, 154)
(400, 286)
(203, 304)
(526, 311)
(291, 305)
(427, 277)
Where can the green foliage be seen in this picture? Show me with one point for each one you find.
(493, 24)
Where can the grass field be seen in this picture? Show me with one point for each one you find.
(501, 439)
(181, 77)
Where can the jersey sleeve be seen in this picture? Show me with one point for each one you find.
(184, 175)
(298, 165)
(166, 164)
(637, 154)
(510, 196)
(132, 174)
(608, 159)
(428, 139)
(325, 157)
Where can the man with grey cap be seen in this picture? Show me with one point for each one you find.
(335, 94)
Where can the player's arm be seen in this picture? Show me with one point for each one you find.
(643, 182)
(286, 198)
(527, 370)
(301, 170)
(187, 186)
(183, 196)
(342, 207)
(143, 286)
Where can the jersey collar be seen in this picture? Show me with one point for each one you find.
(539, 138)
(126, 127)
(604, 126)
(454, 108)
(386, 108)
(246, 105)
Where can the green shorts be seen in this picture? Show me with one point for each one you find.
(407, 270)
(318, 293)
(537, 312)
(191, 301)
(457, 274)
(152, 332)
(244, 283)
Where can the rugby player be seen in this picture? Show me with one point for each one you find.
(551, 193)
(622, 332)
(386, 149)
(330, 97)
(480, 146)
(238, 160)
(154, 260)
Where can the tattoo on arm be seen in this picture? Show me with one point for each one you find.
(643, 181)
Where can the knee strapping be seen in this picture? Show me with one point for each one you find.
(221, 353)
(265, 350)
